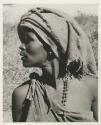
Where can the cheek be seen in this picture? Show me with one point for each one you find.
(41, 55)
(38, 56)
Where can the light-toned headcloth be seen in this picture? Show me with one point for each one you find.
(64, 37)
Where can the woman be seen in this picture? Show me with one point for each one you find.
(66, 91)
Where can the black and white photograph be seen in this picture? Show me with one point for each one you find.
(50, 63)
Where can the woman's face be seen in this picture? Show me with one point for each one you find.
(32, 52)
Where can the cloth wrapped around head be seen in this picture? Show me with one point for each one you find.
(63, 36)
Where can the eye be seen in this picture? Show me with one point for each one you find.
(28, 40)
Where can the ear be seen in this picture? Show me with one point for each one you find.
(50, 56)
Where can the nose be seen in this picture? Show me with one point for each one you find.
(22, 47)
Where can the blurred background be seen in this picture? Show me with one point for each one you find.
(14, 73)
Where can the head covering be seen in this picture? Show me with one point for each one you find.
(64, 37)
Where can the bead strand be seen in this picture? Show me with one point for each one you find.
(65, 89)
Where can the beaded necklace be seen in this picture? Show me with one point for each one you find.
(66, 82)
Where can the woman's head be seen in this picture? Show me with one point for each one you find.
(57, 33)
(32, 50)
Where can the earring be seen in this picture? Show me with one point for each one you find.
(50, 53)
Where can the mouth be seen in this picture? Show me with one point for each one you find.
(23, 56)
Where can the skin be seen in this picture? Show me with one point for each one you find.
(33, 54)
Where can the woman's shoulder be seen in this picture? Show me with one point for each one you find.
(21, 91)
(18, 98)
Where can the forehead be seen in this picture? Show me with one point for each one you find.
(27, 34)
(26, 31)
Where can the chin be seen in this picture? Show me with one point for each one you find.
(31, 65)
(26, 65)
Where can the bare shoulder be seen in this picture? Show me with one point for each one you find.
(92, 83)
(18, 98)
(20, 92)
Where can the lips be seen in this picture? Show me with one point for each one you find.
(23, 56)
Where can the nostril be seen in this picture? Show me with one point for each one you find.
(22, 47)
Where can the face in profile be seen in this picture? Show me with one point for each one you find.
(32, 52)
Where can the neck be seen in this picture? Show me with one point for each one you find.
(50, 73)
